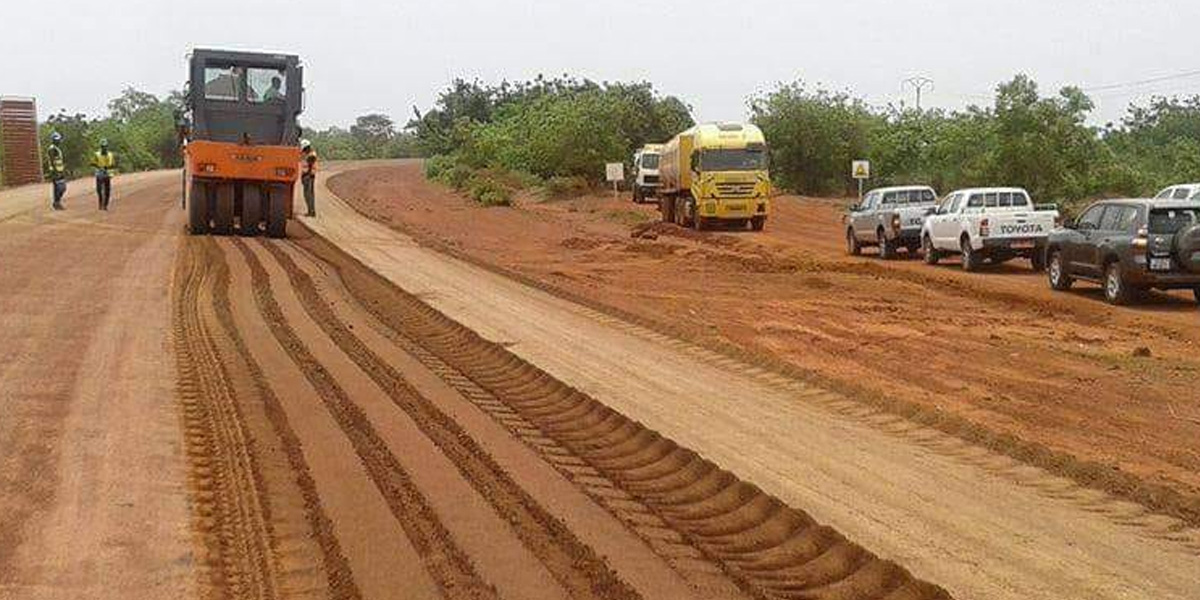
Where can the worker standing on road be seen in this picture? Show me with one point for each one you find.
(58, 170)
(308, 175)
(105, 164)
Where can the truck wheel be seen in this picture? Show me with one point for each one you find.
(853, 248)
(198, 209)
(931, 254)
(1115, 290)
(1057, 273)
(970, 258)
(276, 212)
(1038, 260)
(757, 223)
(637, 195)
(223, 209)
(887, 249)
(252, 202)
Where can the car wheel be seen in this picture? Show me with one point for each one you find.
(1038, 260)
(853, 248)
(1056, 272)
(932, 255)
(1115, 289)
(887, 249)
(970, 258)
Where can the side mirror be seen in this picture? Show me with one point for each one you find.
(854, 208)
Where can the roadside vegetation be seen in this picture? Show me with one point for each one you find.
(1043, 143)
(551, 134)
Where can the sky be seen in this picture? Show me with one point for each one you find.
(391, 55)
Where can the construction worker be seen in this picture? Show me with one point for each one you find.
(105, 164)
(308, 175)
(275, 92)
(58, 170)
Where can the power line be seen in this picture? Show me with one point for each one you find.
(919, 84)
(1141, 82)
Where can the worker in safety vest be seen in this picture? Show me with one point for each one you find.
(105, 164)
(58, 170)
(308, 175)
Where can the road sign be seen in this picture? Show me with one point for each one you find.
(861, 169)
(615, 171)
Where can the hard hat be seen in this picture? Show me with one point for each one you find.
(55, 136)
(305, 144)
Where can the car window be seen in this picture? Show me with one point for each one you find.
(1128, 219)
(975, 201)
(1180, 193)
(1020, 199)
(1111, 219)
(991, 199)
(927, 196)
(891, 198)
(1091, 218)
(957, 203)
(1164, 221)
(1165, 193)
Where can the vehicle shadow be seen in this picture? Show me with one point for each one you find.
(1153, 301)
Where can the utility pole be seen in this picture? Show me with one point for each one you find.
(919, 84)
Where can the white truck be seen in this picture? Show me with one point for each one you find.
(1186, 191)
(996, 224)
(889, 218)
(645, 172)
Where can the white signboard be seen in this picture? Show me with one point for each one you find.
(861, 169)
(615, 171)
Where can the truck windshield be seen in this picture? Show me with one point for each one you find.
(733, 160)
(266, 85)
(649, 161)
(1171, 221)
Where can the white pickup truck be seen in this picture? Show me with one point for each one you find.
(996, 224)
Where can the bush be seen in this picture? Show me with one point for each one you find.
(489, 191)
(557, 188)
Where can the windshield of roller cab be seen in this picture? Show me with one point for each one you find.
(733, 160)
(649, 161)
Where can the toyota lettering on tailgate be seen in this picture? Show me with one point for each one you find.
(1021, 229)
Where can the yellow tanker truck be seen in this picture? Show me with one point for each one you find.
(715, 173)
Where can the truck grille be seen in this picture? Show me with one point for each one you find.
(650, 178)
(735, 190)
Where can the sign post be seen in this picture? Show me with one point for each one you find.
(615, 172)
(860, 170)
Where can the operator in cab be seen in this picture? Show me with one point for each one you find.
(104, 162)
(308, 176)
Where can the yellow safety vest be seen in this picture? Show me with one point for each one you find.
(310, 163)
(104, 161)
(57, 167)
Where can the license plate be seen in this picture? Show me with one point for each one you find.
(735, 207)
(1023, 244)
(916, 221)
(1160, 264)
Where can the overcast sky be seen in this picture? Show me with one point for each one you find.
(388, 55)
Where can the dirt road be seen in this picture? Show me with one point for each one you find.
(982, 524)
(92, 490)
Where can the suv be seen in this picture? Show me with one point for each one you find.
(1129, 246)
(889, 218)
(996, 224)
(1188, 191)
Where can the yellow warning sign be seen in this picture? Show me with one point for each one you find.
(861, 169)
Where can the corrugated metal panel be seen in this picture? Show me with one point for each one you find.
(19, 136)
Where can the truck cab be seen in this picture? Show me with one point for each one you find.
(645, 172)
(716, 173)
(241, 141)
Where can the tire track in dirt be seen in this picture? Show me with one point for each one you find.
(574, 564)
(449, 566)
(232, 512)
(777, 551)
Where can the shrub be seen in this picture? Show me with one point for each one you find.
(489, 191)
(557, 188)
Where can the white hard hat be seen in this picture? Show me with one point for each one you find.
(305, 143)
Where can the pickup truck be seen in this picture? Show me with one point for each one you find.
(889, 218)
(995, 224)
(1129, 246)
(1187, 191)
